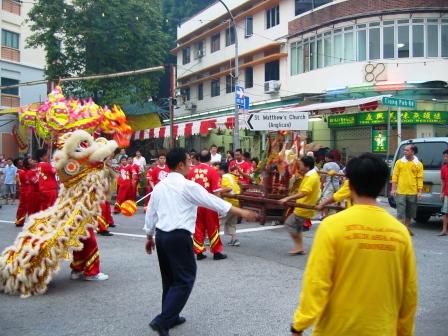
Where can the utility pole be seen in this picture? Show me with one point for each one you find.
(171, 107)
(236, 126)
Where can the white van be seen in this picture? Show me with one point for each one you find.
(430, 153)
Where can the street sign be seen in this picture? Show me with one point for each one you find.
(239, 96)
(278, 121)
(246, 103)
(399, 102)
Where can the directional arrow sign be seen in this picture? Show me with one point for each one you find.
(278, 121)
(239, 96)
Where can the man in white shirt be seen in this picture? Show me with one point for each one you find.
(172, 214)
(140, 161)
(216, 157)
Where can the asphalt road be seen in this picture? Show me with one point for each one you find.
(253, 292)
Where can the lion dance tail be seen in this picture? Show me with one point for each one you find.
(51, 236)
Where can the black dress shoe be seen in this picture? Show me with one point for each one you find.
(179, 321)
(160, 330)
(112, 225)
(201, 256)
(106, 233)
(219, 256)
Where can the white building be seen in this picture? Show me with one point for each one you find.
(17, 64)
(310, 52)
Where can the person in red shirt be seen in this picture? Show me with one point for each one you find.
(160, 171)
(48, 186)
(244, 168)
(207, 220)
(150, 182)
(124, 182)
(32, 175)
(135, 173)
(23, 183)
(444, 193)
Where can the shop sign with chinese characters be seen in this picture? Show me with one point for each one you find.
(379, 140)
(380, 118)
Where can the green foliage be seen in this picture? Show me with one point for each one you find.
(101, 37)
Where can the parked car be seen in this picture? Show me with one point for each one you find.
(430, 153)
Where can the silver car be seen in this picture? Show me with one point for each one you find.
(430, 153)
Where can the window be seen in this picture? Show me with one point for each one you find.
(186, 94)
(10, 39)
(389, 41)
(200, 91)
(433, 39)
(216, 90)
(230, 36)
(349, 47)
(296, 59)
(186, 55)
(215, 42)
(230, 84)
(327, 49)
(249, 26)
(338, 49)
(313, 54)
(418, 49)
(249, 78)
(272, 71)
(403, 41)
(8, 81)
(320, 52)
(302, 6)
(429, 153)
(374, 41)
(444, 40)
(362, 43)
(272, 17)
(199, 50)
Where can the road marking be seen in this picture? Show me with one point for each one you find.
(5, 221)
(256, 229)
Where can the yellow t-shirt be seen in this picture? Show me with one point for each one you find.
(344, 194)
(231, 181)
(360, 279)
(310, 186)
(408, 175)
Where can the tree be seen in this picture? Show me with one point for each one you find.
(99, 37)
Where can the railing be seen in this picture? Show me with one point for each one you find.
(11, 6)
(10, 54)
(10, 100)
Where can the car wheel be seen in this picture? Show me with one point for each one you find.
(423, 217)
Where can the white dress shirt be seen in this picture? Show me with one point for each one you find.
(215, 158)
(174, 203)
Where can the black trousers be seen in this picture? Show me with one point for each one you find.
(178, 268)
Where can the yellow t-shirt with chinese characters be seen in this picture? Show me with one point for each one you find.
(360, 279)
(344, 194)
(231, 181)
(310, 186)
(408, 175)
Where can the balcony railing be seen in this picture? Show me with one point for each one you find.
(10, 54)
(11, 6)
(10, 100)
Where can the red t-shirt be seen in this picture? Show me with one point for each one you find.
(444, 177)
(135, 171)
(47, 176)
(206, 176)
(159, 173)
(33, 180)
(124, 174)
(245, 166)
(23, 180)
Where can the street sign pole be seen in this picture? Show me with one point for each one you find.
(398, 126)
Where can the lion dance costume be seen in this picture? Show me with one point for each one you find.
(66, 228)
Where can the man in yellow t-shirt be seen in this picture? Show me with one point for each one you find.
(360, 279)
(308, 193)
(407, 185)
(229, 184)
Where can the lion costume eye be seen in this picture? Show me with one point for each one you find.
(83, 145)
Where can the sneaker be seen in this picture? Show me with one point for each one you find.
(75, 275)
(201, 256)
(98, 277)
(231, 243)
(219, 256)
(105, 233)
(236, 242)
(112, 225)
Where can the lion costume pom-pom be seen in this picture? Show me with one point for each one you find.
(128, 208)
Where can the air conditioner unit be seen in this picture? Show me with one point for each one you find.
(271, 86)
(199, 53)
(189, 105)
